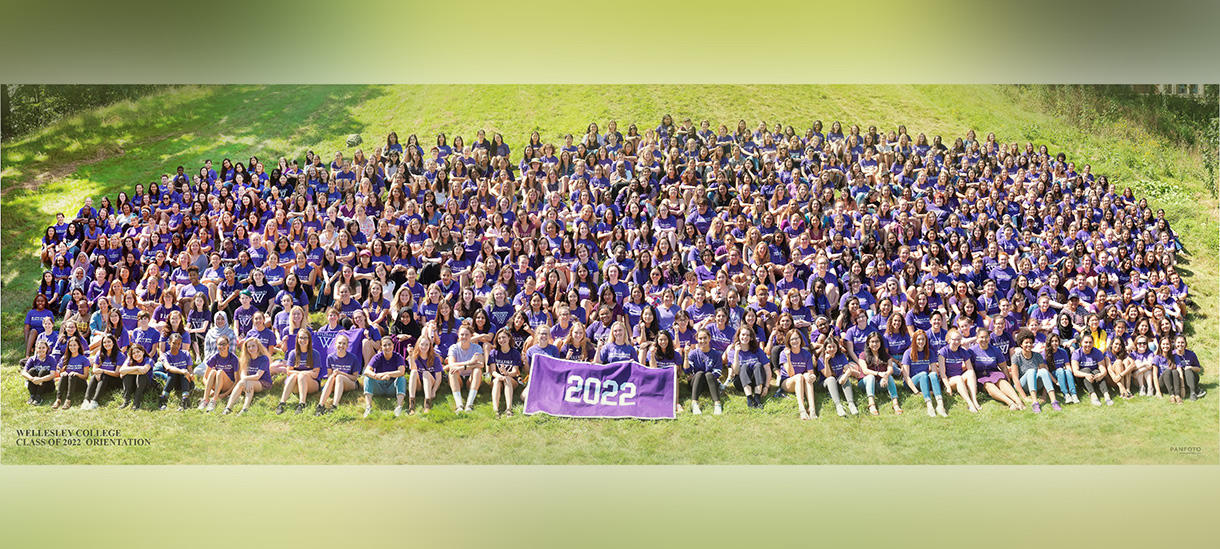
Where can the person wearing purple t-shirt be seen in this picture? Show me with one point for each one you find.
(991, 367)
(303, 370)
(178, 365)
(253, 374)
(1091, 365)
(505, 364)
(837, 372)
(958, 371)
(920, 372)
(425, 363)
(799, 374)
(343, 374)
(135, 374)
(1185, 360)
(385, 373)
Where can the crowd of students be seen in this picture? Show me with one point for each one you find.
(770, 261)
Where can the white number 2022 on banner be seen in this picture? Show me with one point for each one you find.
(582, 390)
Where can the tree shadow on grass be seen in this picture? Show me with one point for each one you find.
(166, 131)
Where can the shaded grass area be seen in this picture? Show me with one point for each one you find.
(1151, 146)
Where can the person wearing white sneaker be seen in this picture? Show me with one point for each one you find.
(384, 375)
(919, 371)
(837, 371)
(465, 363)
(1092, 366)
(703, 364)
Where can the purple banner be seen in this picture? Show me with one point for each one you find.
(583, 389)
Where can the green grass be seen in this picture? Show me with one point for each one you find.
(1149, 145)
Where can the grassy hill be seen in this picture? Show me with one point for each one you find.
(1154, 145)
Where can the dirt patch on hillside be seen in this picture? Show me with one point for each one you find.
(61, 170)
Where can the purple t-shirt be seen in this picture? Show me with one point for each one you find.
(226, 364)
(986, 361)
(380, 364)
(917, 364)
(1093, 359)
(348, 363)
(955, 360)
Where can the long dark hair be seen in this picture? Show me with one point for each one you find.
(882, 355)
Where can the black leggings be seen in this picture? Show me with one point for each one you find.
(179, 381)
(698, 379)
(40, 390)
(99, 384)
(134, 386)
(67, 384)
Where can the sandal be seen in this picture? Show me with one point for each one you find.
(897, 409)
(872, 408)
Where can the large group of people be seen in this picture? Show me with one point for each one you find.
(762, 260)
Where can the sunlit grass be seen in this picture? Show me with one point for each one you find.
(1142, 148)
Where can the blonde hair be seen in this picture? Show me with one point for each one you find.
(243, 360)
